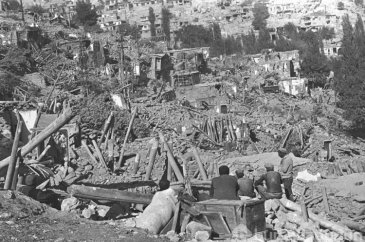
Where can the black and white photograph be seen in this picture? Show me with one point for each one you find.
(182, 120)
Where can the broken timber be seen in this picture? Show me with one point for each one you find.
(338, 228)
(96, 193)
(48, 131)
(14, 156)
(119, 164)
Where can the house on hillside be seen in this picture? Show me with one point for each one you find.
(294, 86)
(286, 63)
(331, 48)
(318, 20)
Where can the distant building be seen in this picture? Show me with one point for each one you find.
(284, 63)
(318, 20)
(331, 48)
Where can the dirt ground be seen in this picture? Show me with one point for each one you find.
(24, 219)
(349, 184)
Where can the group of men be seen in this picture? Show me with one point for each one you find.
(229, 187)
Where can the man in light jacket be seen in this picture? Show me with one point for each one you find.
(286, 172)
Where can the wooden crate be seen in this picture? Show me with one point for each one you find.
(249, 212)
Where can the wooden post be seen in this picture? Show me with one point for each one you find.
(15, 176)
(100, 155)
(211, 170)
(169, 168)
(13, 158)
(304, 210)
(83, 142)
(126, 137)
(111, 151)
(151, 159)
(107, 137)
(328, 147)
(185, 222)
(171, 159)
(39, 112)
(203, 173)
(176, 216)
(106, 127)
(216, 168)
(136, 164)
(325, 200)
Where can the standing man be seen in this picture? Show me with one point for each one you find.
(272, 182)
(286, 171)
(225, 186)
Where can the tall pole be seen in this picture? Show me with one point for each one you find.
(21, 6)
(121, 58)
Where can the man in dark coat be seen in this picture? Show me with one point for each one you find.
(225, 186)
(272, 188)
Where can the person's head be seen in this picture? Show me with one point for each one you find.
(164, 184)
(282, 152)
(223, 170)
(248, 169)
(269, 167)
(239, 173)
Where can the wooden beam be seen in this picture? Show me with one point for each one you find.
(13, 157)
(151, 159)
(126, 137)
(96, 193)
(83, 142)
(325, 200)
(203, 173)
(136, 164)
(106, 127)
(100, 155)
(171, 159)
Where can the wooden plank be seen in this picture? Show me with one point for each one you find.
(96, 193)
(216, 221)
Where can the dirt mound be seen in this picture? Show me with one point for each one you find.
(24, 219)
